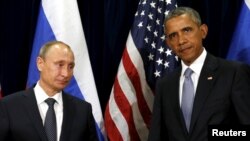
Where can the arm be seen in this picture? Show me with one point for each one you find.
(92, 126)
(4, 123)
(241, 93)
(156, 121)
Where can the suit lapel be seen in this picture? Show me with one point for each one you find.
(174, 99)
(68, 114)
(204, 87)
(33, 113)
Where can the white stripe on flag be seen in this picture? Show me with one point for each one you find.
(118, 118)
(136, 59)
(129, 92)
(125, 120)
(248, 3)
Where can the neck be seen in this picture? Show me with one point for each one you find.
(49, 91)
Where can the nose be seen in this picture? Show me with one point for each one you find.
(66, 72)
(181, 39)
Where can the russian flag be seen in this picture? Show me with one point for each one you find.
(60, 20)
(240, 45)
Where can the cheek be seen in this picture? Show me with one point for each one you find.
(70, 73)
(197, 38)
(174, 48)
(53, 72)
(171, 46)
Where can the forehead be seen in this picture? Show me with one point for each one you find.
(178, 23)
(60, 51)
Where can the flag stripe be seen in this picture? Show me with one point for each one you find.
(123, 89)
(74, 89)
(125, 109)
(43, 34)
(116, 134)
(128, 91)
(240, 45)
(136, 59)
(134, 66)
(134, 78)
(118, 119)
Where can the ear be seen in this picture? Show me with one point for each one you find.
(39, 63)
(204, 30)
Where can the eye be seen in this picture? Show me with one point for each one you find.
(187, 29)
(71, 67)
(172, 36)
(60, 64)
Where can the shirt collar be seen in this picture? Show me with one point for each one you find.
(196, 66)
(41, 95)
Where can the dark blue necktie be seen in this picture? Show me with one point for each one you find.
(50, 120)
(187, 97)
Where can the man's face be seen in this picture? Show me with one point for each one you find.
(184, 37)
(56, 68)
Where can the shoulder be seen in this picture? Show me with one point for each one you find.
(170, 76)
(233, 65)
(213, 62)
(17, 100)
(74, 100)
(73, 105)
(17, 95)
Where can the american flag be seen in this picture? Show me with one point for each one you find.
(145, 59)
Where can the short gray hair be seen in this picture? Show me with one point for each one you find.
(195, 16)
(47, 46)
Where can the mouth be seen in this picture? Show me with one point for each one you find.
(185, 49)
(63, 82)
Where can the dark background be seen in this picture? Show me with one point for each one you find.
(106, 25)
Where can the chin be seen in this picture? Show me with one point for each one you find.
(62, 86)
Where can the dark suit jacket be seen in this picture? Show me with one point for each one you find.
(222, 97)
(20, 119)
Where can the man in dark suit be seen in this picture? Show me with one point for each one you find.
(23, 115)
(218, 90)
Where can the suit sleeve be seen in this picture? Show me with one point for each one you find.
(156, 125)
(92, 125)
(4, 123)
(241, 94)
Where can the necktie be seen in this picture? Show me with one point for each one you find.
(50, 120)
(187, 97)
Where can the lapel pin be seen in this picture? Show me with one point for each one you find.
(210, 78)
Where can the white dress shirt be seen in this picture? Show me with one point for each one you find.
(41, 96)
(196, 66)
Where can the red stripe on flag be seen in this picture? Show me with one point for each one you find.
(135, 79)
(111, 129)
(126, 110)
